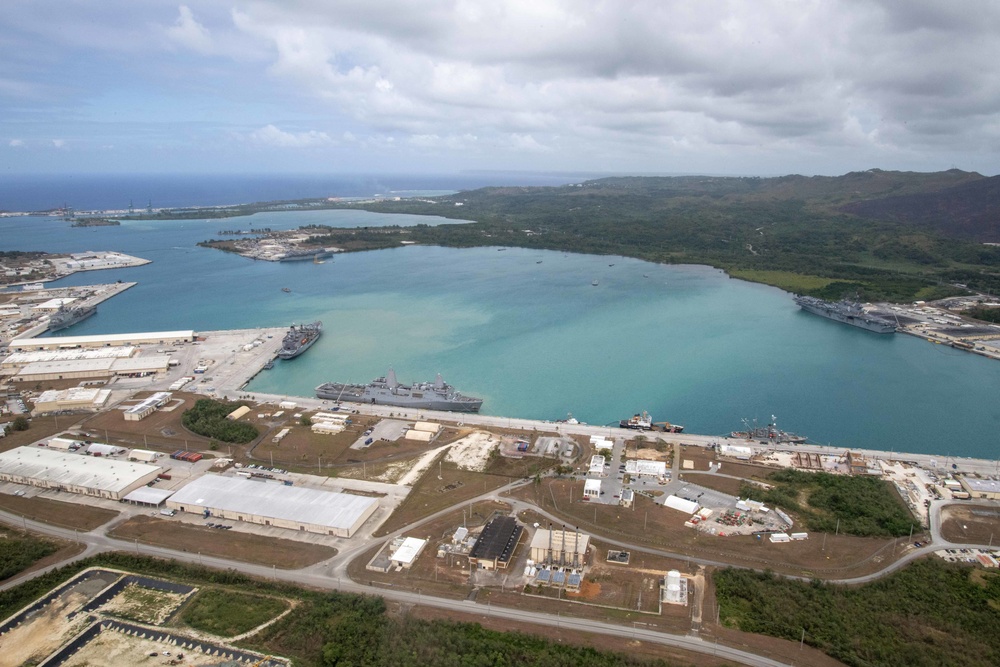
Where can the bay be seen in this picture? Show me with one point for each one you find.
(529, 332)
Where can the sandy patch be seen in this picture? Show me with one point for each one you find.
(42, 634)
(421, 466)
(145, 605)
(473, 451)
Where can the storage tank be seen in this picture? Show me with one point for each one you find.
(674, 583)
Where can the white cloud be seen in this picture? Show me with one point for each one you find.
(16, 143)
(59, 143)
(189, 33)
(269, 135)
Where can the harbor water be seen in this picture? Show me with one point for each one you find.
(531, 333)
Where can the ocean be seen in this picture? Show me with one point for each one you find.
(529, 332)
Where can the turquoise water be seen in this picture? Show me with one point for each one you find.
(538, 340)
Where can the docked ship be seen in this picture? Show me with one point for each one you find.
(770, 432)
(299, 339)
(848, 312)
(643, 422)
(66, 317)
(303, 255)
(437, 395)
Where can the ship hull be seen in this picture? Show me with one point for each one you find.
(68, 322)
(282, 354)
(827, 310)
(299, 339)
(355, 393)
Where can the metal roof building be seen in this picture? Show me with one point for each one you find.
(271, 504)
(105, 478)
(101, 340)
(560, 547)
(496, 544)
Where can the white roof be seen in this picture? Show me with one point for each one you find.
(408, 550)
(59, 467)
(69, 341)
(150, 401)
(596, 464)
(104, 450)
(561, 539)
(22, 358)
(642, 467)
(592, 485)
(678, 503)
(149, 496)
(53, 304)
(291, 503)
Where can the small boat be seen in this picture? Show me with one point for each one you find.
(645, 275)
(269, 365)
(285, 289)
(594, 283)
(538, 262)
(610, 264)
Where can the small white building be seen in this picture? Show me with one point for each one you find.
(99, 449)
(596, 465)
(592, 489)
(739, 452)
(147, 406)
(420, 436)
(407, 553)
(144, 455)
(600, 442)
(326, 428)
(430, 427)
(681, 504)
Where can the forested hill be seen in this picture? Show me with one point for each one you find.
(799, 233)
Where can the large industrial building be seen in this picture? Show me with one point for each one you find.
(93, 368)
(981, 488)
(560, 547)
(88, 399)
(274, 504)
(66, 471)
(496, 544)
(101, 340)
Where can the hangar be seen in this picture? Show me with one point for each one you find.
(273, 504)
(101, 477)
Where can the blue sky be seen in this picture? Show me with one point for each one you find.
(635, 86)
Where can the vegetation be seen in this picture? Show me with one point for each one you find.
(208, 418)
(20, 423)
(337, 629)
(930, 613)
(863, 506)
(19, 551)
(985, 314)
(229, 613)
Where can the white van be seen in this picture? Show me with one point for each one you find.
(168, 512)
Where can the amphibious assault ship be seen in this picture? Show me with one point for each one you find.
(848, 312)
(66, 317)
(437, 395)
(299, 339)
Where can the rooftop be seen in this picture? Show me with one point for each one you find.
(63, 468)
(498, 539)
(291, 503)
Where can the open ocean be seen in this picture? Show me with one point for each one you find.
(527, 330)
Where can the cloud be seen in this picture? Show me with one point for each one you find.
(59, 143)
(269, 135)
(16, 143)
(189, 33)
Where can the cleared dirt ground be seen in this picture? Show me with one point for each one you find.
(971, 524)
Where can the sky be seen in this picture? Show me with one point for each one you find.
(760, 87)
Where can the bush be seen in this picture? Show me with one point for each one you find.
(208, 418)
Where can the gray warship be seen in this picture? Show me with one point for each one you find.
(299, 339)
(848, 312)
(437, 395)
(66, 317)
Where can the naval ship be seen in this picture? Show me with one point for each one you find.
(299, 339)
(437, 395)
(848, 312)
(66, 317)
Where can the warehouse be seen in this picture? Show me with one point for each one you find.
(646, 468)
(75, 398)
(22, 359)
(981, 488)
(92, 368)
(272, 504)
(104, 478)
(102, 340)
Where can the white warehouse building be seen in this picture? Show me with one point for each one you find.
(101, 477)
(273, 504)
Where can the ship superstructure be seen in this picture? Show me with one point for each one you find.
(299, 339)
(66, 317)
(848, 312)
(437, 395)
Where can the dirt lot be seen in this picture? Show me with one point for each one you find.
(244, 547)
(656, 526)
(112, 649)
(41, 428)
(960, 524)
(724, 484)
(430, 494)
(161, 431)
(57, 513)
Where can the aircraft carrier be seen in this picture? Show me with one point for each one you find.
(848, 312)
(437, 395)
(299, 339)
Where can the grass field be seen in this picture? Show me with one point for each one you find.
(230, 613)
(55, 512)
(244, 547)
